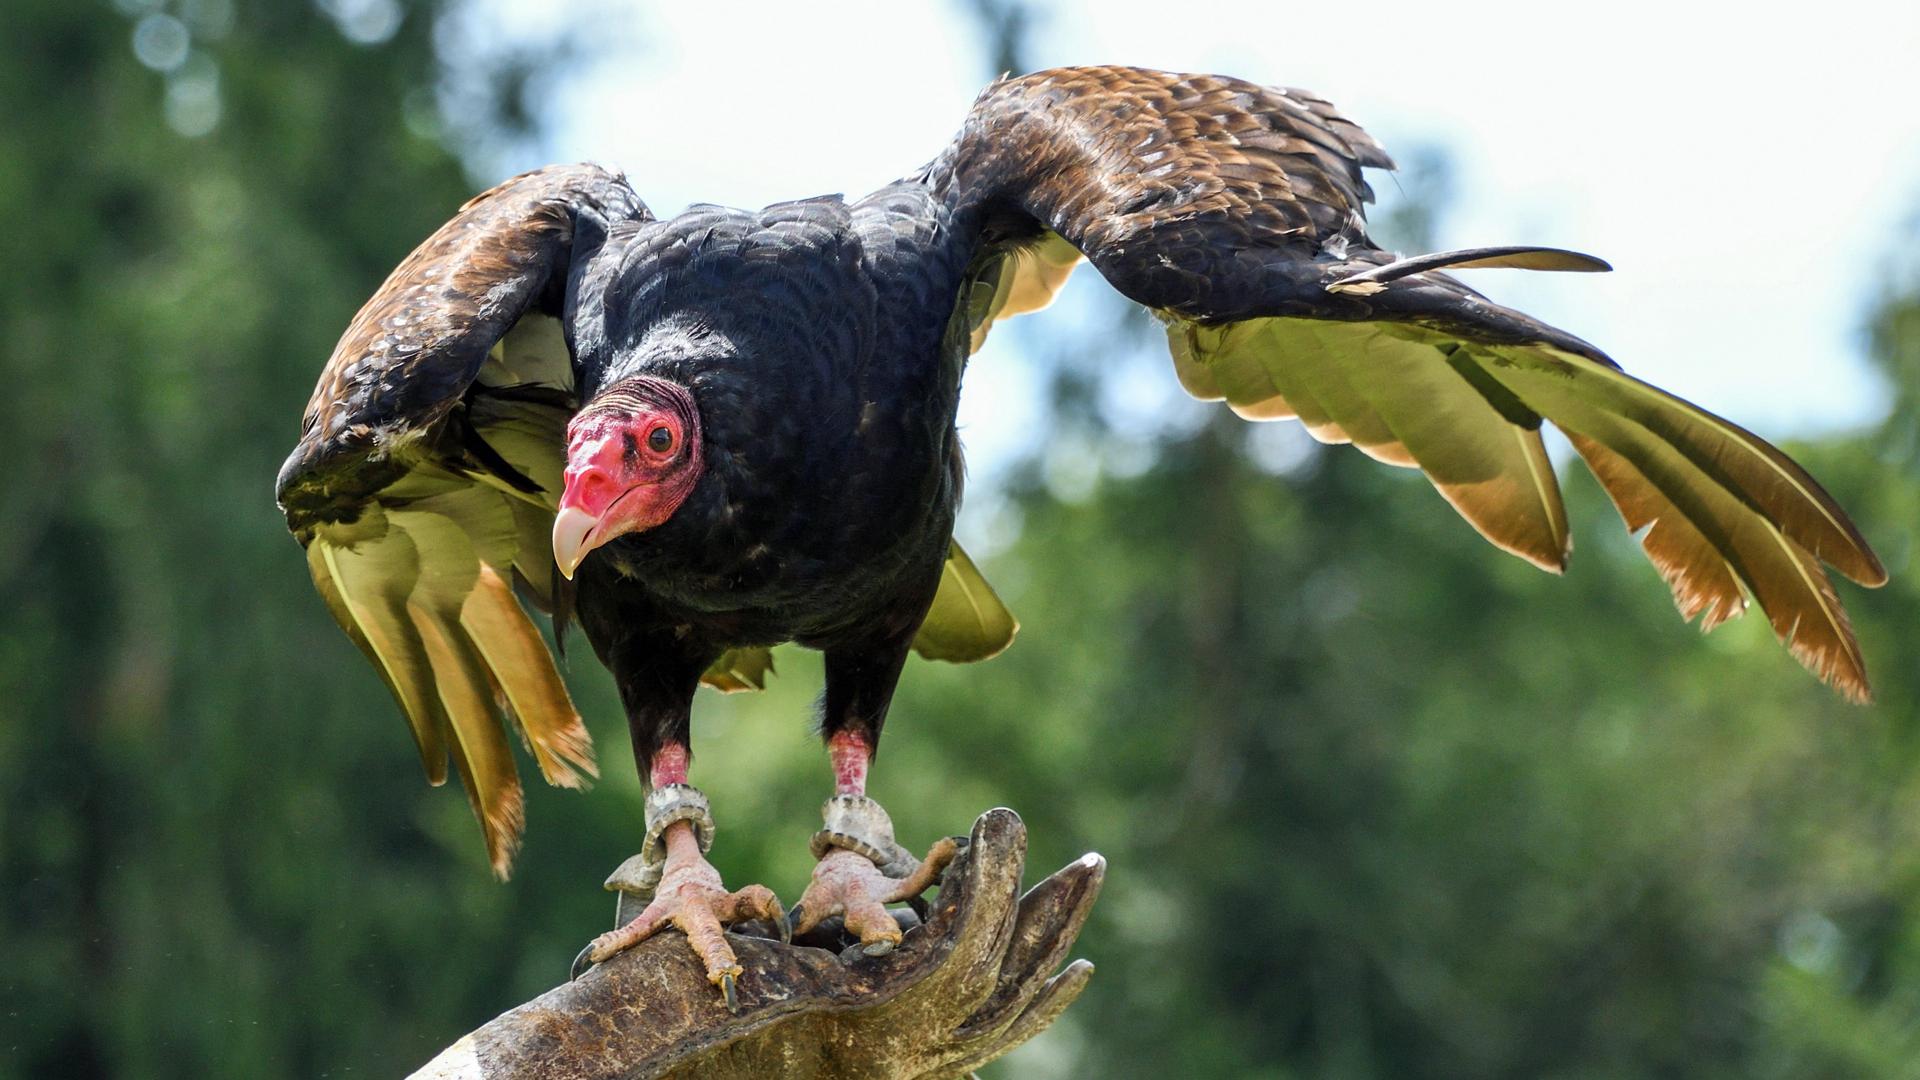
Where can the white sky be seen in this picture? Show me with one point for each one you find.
(1745, 175)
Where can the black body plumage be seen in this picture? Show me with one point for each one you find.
(825, 509)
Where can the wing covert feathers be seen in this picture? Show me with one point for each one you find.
(1235, 212)
(412, 353)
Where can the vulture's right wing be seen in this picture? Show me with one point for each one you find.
(426, 478)
(1235, 213)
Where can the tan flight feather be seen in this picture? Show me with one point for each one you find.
(1492, 470)
(523, 667)
(1395, 397)
(480, 750)
(380, 625)
(533, 556)
(1826, 644)
(1782, 577)
(1703, 583)
(1325, 367)
(1723, 452)
(449, 572)
(1734, 496)
(1253, 389)
(1190, 364)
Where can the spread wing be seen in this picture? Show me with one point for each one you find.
(426, 477)
(1235, 212)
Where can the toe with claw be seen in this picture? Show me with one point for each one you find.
(690, 896)
(862, 869)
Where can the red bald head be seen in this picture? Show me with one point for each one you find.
(633, 456)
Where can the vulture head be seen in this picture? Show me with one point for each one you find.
(633, 456)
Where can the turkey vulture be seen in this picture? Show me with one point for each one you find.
(704, 436)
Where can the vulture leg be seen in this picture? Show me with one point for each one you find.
(670, 882)
(679, 887)
(862, 868)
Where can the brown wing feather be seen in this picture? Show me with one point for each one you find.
(1106, 154)
(414, 348)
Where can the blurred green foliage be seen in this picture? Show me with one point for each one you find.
(1379, 801)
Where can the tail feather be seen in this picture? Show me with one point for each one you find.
(968, 621)
(740, 670)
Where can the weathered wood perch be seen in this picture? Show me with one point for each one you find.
(971, 984)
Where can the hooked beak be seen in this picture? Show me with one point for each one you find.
(573, 530)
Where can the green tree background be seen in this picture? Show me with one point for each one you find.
(1378, 802)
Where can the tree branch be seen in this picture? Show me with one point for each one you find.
(971, 984)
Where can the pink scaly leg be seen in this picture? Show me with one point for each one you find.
(849, 752)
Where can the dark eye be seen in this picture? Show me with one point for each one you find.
(660, 440)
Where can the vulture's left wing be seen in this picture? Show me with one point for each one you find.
(1235, 212)
(427, 475)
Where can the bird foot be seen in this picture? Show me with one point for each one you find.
(690, 896)
(861, 870)
(670, 883)
(848, 884)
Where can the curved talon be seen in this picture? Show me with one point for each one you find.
(727, 991)
(878, 948)
(582, 963)
(783, 924)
